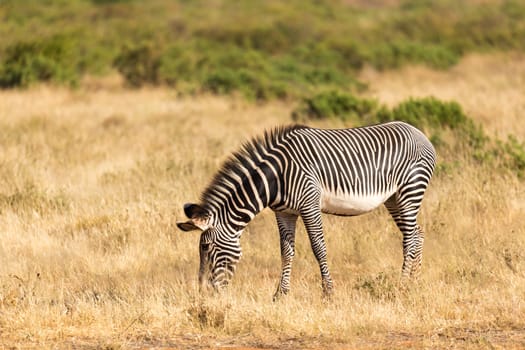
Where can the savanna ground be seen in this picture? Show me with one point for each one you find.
(93, 182)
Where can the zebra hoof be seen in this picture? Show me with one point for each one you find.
(327, 289)
(279, 294)
(327, 295)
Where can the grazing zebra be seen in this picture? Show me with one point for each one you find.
(302, 171)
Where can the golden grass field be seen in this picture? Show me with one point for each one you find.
(94, 179)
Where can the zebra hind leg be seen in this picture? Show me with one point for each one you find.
(286, 224)
(413, 237)
(415, 271)
(412, 253)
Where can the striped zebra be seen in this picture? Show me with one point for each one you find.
(302, 171)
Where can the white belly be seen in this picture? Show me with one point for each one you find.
(351, 204)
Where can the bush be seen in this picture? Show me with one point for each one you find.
(512, 155)
(324, 76)
(351, 54)
(227, 80)
(177, 65)
(139, 64)
(335, 104)
(51, 60)
(426, 112)
(109, 2)
(395, 54)
(277, 36)
(235, 70)
(251, 85)
(491, 28)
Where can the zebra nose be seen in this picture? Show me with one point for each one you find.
(205, 284)
(203, 277)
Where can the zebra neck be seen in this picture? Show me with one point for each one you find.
(238, 198)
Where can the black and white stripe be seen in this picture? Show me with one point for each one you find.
(302, 171)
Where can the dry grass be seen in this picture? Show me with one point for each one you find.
(94, 181)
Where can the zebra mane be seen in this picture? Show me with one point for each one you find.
(250, 150)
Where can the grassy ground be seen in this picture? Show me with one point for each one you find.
(93, 182)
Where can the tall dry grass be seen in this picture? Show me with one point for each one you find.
(93, 182)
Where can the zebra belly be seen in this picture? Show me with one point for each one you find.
(349, 204)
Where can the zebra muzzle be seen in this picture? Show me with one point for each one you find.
(204, 270)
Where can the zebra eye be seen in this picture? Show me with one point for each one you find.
(205, 247)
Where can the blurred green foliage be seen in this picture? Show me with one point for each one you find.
(335, 103)
(48, 60)
(512, 154)
(139, 64)
(261, 49)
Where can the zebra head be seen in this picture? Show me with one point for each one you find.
(219, 247)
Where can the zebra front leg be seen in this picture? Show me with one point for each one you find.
(286, 224)
(314, 227)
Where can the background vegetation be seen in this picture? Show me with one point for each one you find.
(292, 49)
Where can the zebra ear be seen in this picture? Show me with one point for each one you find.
(191, 225)
(198, 216)
(187, 226)
(194, 211)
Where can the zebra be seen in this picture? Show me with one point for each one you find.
(302, 171)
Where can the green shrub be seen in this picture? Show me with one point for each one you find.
(491, 28)
(512, 154)
(318, 54)
(264, 39)
(271, 37)
(227, 80)
(251, 85)
(51, 60)
(323, 76)
(177, 65)
(352, 55)
(335, 104)
(139, 64)
(233, 70)
(426, 112)
(106, 2)
(395, 54)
